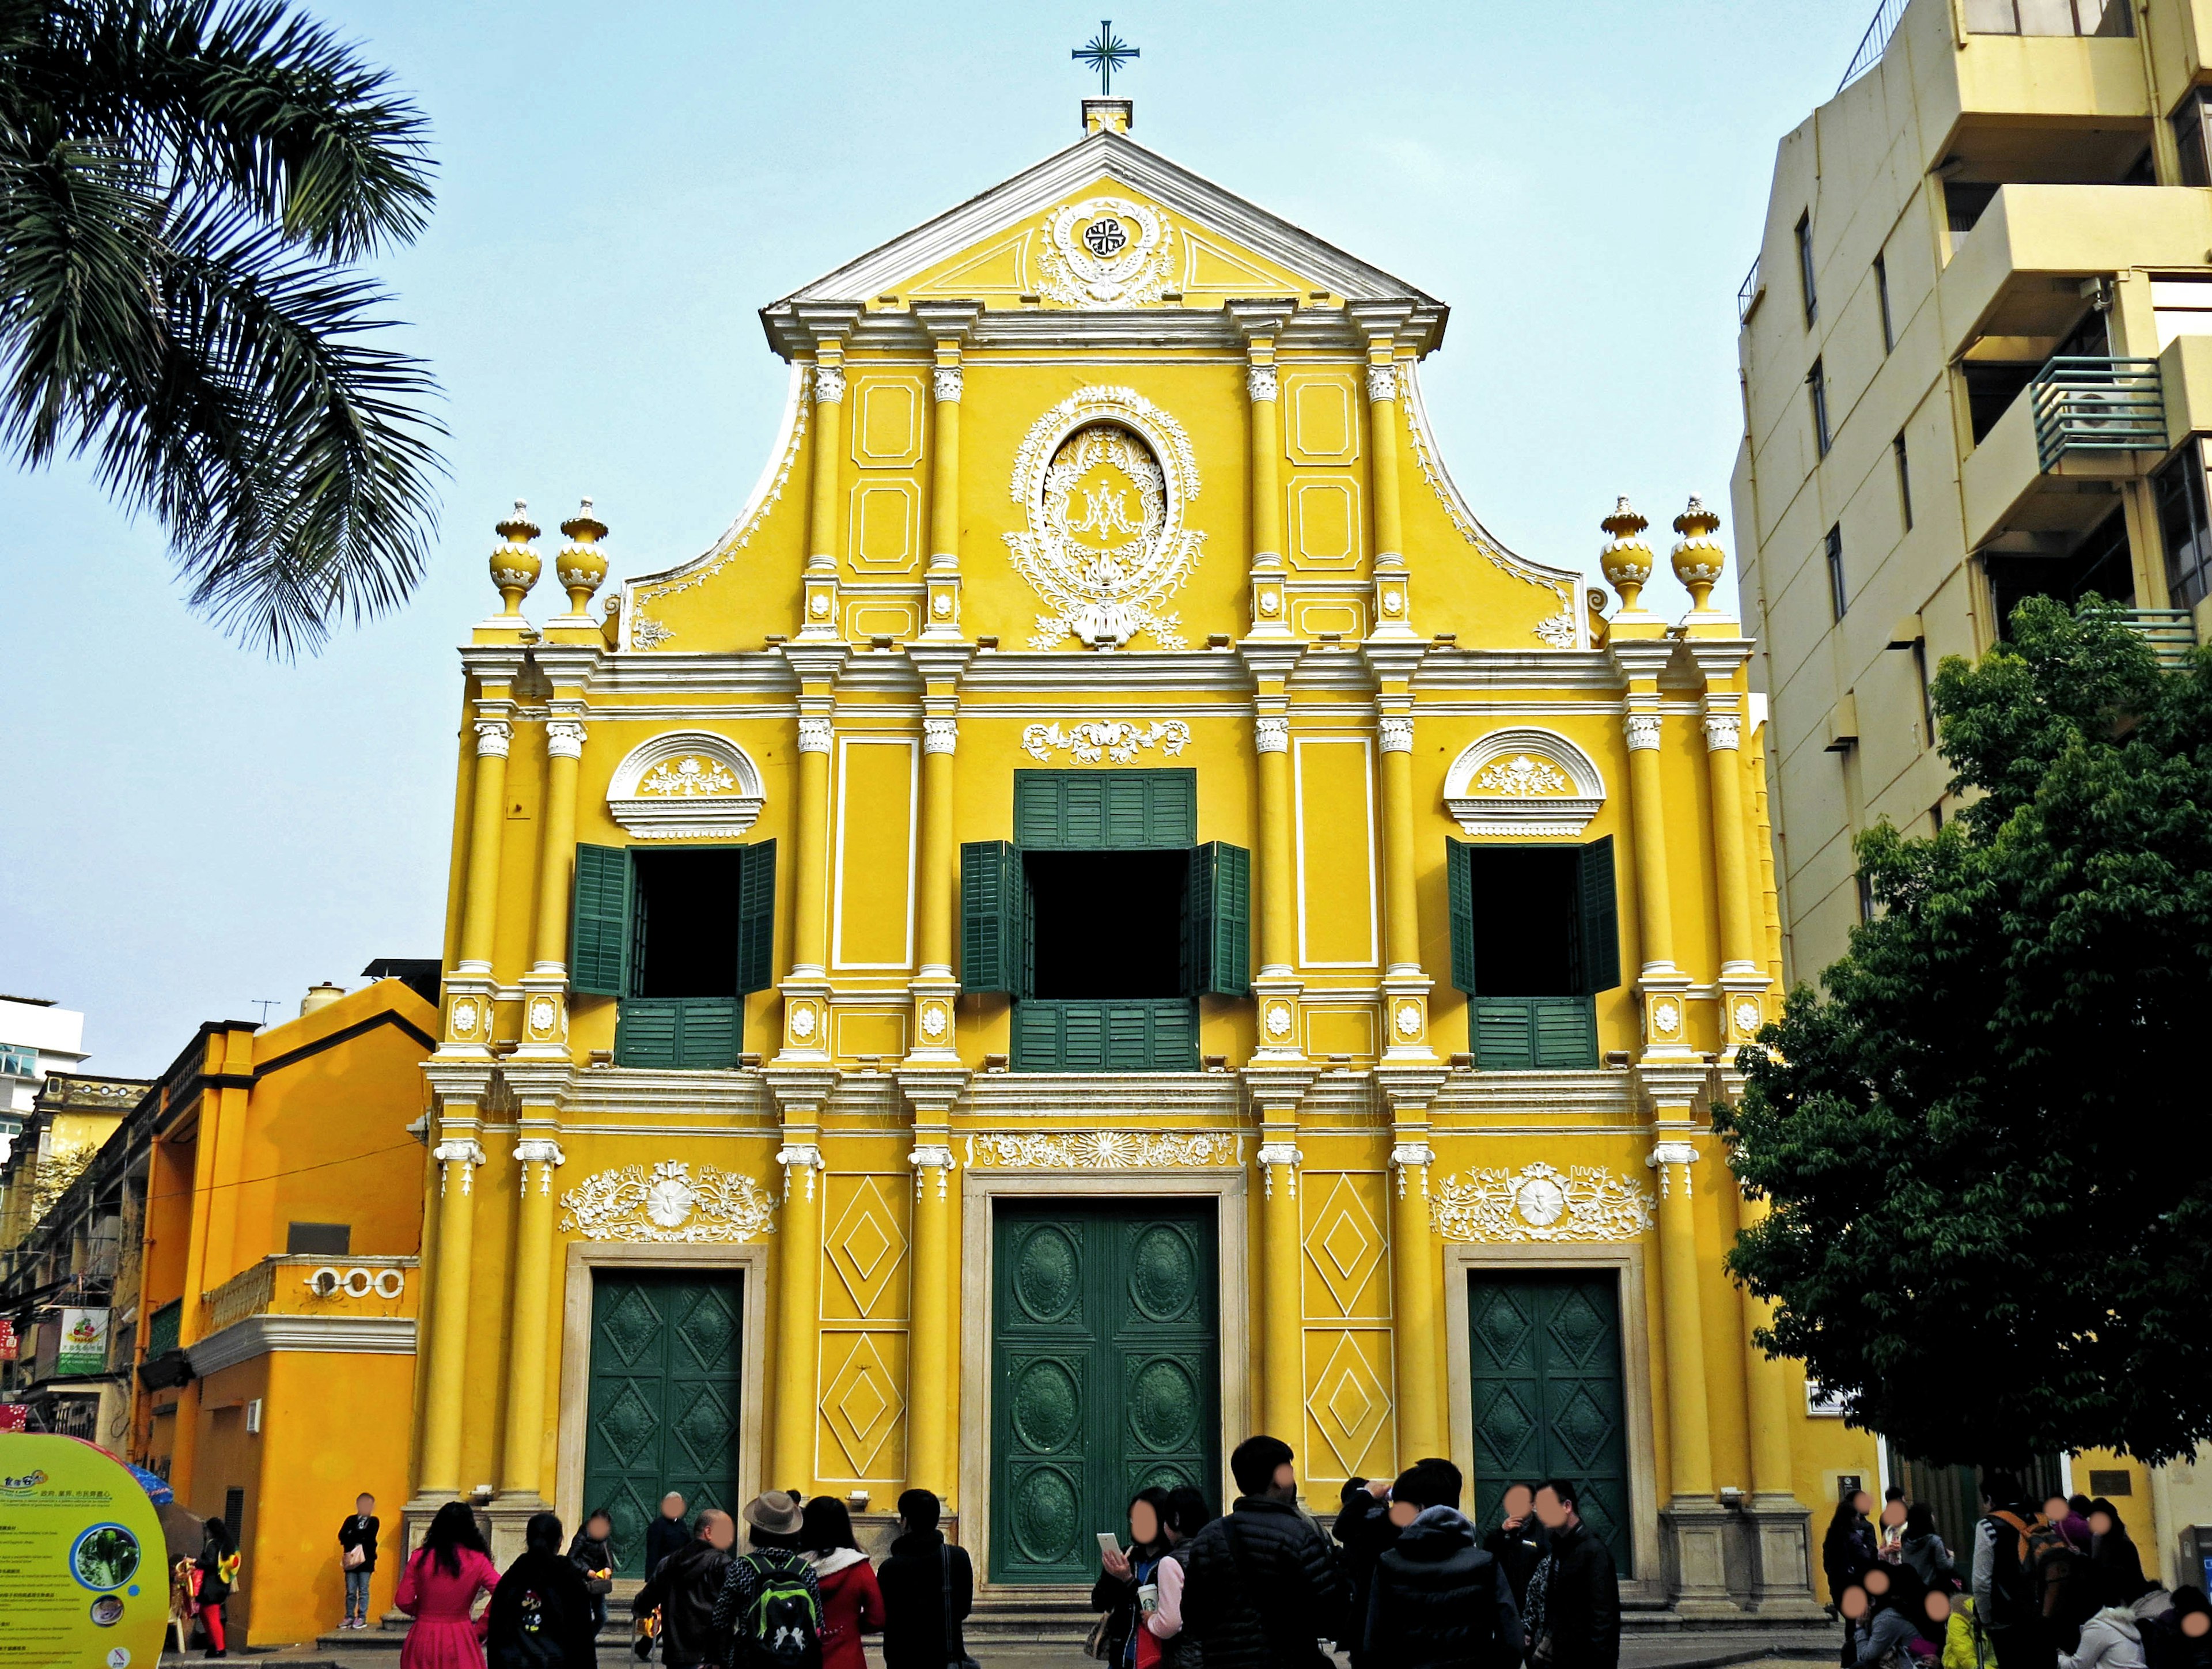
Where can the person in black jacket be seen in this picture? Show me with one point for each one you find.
(1580, 1597)
(1439, 1601)
(358, 1530)
(917, 1633)
(1519, 1543)
(1366, 1524)
(541, 1617)
(593, 1554)
(2114, 1564)
(1847, 1551)
(685, 1589)
(1121, 1575)
(666, 1534)
(1261, 1585)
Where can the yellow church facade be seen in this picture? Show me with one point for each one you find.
(1105, 914)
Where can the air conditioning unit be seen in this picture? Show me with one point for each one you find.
(1844, 724)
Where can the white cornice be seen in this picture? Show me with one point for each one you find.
(1029, 193)
(332, 1335)
(1023, 673)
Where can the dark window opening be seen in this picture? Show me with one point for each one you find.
(1805, 282)
(2185, 527)
(1992, 385)
(1927, 705)
(2189, 135)
(1904, 479)
(684, 923)
(319, 1239)
(1865, 896)
(1527, 921)
(234, 1515)
(2143, 172)
(1936, 818)
(1817, 381)
(1084, 952)
(1837, 601)
(2103, 562)
(1881, 294)
(1963, 203)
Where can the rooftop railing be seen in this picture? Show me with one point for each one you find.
(2086, 403)
(1746, 292)
(1874, 42)
(2171, 633)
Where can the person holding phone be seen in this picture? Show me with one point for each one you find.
(1119, 1592)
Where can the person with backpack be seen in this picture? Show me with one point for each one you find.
(1261, 1585)
(1163, 1643)
(684, 1590)
(928, 1588)
(2008, 1596)
(217, 1568)
(770, 1605)
(852, 1602)
(541, 1612)
(1438, 1601)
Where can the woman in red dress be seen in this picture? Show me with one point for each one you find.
(851, 1603)
(438, 1589)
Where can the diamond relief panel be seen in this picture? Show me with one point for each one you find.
(866, 1249)
(1348, 1401)
(1346, 1250)
(863, 1408)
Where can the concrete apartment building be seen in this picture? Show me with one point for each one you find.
(1976, 365)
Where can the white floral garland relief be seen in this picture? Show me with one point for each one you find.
(669, 1204)
(1118, 740)
(1540, 1203)
(1098, 1150)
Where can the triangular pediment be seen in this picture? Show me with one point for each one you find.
(997, 245)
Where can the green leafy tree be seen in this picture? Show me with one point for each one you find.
(1984, 1144)
(183, 187)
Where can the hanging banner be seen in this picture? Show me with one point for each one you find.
(83, 1579)
(83, 1348)
(8, 1346)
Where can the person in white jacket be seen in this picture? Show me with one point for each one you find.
(2112, 1639)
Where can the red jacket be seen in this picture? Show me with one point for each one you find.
(852, 1605)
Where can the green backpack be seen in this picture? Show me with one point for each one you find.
(784, 1625)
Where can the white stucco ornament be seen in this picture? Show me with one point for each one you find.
(1104, 479)
(1409, 1020)
(1747, 1017)
(1279, 1020)
(674, 1201)
(802, 1023)
(1105, 252)
(1540, 1202)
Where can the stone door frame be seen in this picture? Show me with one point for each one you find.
(978, 1189)
(749, 1262)
(1625, 1259)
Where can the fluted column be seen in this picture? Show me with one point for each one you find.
(457, 1155)
(799, 1258)
(820, 622)
(536, 1156)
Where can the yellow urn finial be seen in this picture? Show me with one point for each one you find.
(514, 565)
(581, 565)
(1625, 559)
(1697, 558)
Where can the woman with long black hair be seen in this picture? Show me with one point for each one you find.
(439, 1588)
(1123, 1574)
(1847, 1553)
(218, 1572)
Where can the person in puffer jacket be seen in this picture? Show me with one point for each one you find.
(1437, 1601)
(1262, 1585)
(2112, 1639)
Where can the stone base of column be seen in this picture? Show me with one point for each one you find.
(544, 1018)
(1781, 1557)
(1405, 1019)
(1276, 1009)
(1693, 1537)
(931, 1044)
(806, 1040)
(510, 1515)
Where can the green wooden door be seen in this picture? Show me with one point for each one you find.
(1106, 1374)
(662, 1412)
(1548, 1402)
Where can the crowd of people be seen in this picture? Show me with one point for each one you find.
(2058, 1586)
(1402, 1579)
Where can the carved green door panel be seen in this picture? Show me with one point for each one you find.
(1547, 1395)
(667, 1352)
(1106, 1374)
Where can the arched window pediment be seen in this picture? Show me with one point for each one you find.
(1524, 783)
(685, 785)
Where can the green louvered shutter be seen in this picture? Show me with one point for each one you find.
(1565, 1032)
(757, 918)
(648, 1031)
(1039, 809)
(1172, 809)
(1219, 943)
(1129, 811)
(1173, 1045)
(1154, 810)
(1036, 1037)
(708, 1029)
(994, 926)
(1601, 922)
(1504, 1033)
(1459, 894)
(599, 925)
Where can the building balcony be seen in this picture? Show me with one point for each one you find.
(304, 1284)
(2017, 275)
(2049, 469)
(2171, 633)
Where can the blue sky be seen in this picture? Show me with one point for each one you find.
(193, 827)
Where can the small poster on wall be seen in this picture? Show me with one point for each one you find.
(83, 1348)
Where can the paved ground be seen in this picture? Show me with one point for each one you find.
(1699, 1649)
